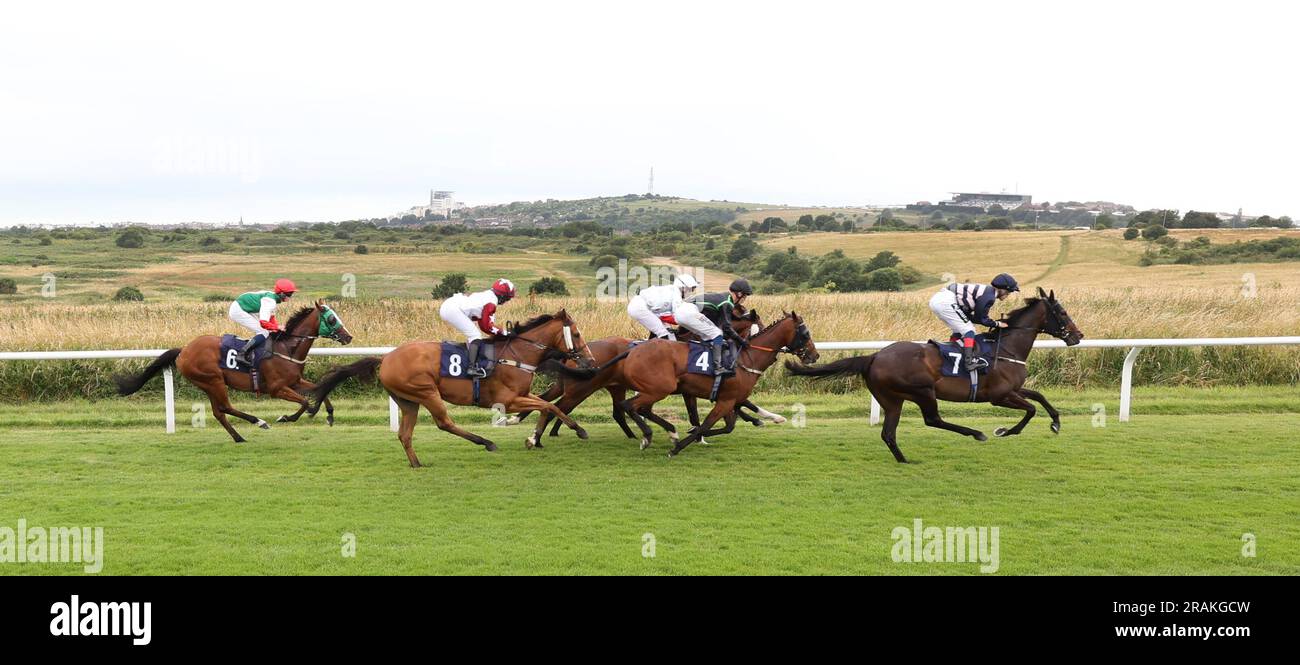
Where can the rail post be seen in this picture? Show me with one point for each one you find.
(169, 388)
(1126, 384)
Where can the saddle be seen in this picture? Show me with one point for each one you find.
(455, 358)
(950, 353)
(231, 357)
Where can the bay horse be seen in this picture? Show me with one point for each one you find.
(907, 371)
(411, 374)
(657, 369)
(604, 350)
(280, 370)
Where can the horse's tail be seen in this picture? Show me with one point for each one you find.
(128, 384)
(363, 369)
(557, 367)
(856, 365)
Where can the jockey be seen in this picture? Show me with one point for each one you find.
(653, 306)
(255, 310)
(709, 316)
(474, 315)
(958, 305)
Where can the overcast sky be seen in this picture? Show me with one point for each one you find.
(328, 111)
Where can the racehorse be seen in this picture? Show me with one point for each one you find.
(573, 393)
(280, 371)
(657, 369)
(412, 376)
(906, 371)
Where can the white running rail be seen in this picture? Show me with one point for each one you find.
(1134, 346)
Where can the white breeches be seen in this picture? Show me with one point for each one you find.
(688, 315)
(944, 305)
(636, 308)
(459, 320)
(238, 315)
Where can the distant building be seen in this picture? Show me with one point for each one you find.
(441, 202)
(984, 201)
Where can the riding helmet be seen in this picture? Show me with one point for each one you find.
(1005, 281)
(742, 286)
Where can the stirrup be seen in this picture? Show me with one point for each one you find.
(476, 372)
(976, 364)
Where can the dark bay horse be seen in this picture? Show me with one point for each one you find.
(906, 371)
(411, 374)
(605, 350)
(280, 372)
(657, 369)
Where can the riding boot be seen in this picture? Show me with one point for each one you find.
(472, 351)
(716, 355)
(970, 361)
(251, 348)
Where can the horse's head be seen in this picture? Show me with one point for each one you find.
(746, 322)
(791, 335)
(1057, 321)
(558, 331)
(328, 324)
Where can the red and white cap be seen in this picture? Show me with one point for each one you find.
(504, 288)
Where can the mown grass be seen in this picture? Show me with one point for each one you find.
(1171, 492)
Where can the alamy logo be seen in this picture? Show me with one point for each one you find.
(932, 544)
(84, 545)
(102, 620)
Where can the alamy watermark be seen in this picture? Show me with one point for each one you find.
(84, 545)
(619, 284)
(932, 544)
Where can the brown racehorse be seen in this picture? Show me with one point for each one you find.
(280, 373)
(411, 375)
(657, 369)
(906, 371)
(573, 393)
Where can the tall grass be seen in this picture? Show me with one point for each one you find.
(1100, 313)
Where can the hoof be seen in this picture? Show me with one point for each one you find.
(512, 420)
(703, 442)
(1001, 431)
(645, 443)
(490, 447)
(282, 419)
(538, 445)
(263, 424)
(979, 436)
(780, 420)
(582, 434)
(530, 442)
(241, 440)
(1056, 428)
(330, 421)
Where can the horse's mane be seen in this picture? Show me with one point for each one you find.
(1017, 313)
(299, 316)
(532, 323)
(784, 316)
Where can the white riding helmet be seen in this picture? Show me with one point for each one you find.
(686, 282)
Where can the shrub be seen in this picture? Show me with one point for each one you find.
(452, 283)
(131, 239)
(1131, 233)
(1154, 231)
(885, 279)
(8, 286)
(549, 285)
(909, 274)
(361, 249)
(46, 241)
(128, 294)
(603, 261)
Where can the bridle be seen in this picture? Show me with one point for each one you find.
(801, 332)
(286, 335)
(569, 353)
(1060, 322)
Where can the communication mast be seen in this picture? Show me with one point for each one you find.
(650, 188)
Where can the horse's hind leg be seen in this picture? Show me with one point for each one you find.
(925, 399)
(220, 400)
(617, 395)
(893, 408)
(1013, 400)
(1051, 411)
(410, 416)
